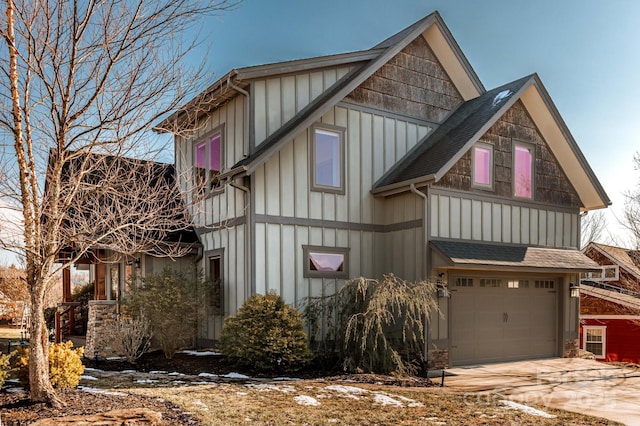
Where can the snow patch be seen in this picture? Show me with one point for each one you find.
(92, 369)
(207, 375)
(387, 400)
(306, 400)
(527, 409)
(200, 353)
(84, 377)
(103, 391)
(175, 373)
(235, 376)
(347, 389)
(285, 379)
(16, 390)
(270, 387)
(129, 371)
(500, 96)
(146, 381)
(158, 372)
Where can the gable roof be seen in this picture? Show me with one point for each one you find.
(432, 158)
(626, 258)
(617, 297)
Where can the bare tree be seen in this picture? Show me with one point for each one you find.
(81, 84)
(593, 224)
(631, 215)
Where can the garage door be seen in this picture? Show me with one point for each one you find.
(502, 320)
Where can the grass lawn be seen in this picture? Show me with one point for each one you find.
(318, 402)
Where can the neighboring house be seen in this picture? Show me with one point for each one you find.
(610, 304)
(394, 159)
(162, 233)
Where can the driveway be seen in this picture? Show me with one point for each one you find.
(578, 385)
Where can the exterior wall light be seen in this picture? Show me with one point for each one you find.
(443, 292)
(574, 290)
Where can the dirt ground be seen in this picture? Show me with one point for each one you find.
(15, 408)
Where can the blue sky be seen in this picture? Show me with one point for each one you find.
(586, 52)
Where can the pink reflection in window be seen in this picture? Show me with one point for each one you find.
(482, 166)
(214, 152)
(326, 261)
(523, 169)
(201, 155)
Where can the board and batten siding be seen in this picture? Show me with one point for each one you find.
(289, 215)
(276, 100)
(459, 216)
(235, 284)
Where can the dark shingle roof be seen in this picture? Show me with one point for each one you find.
(466, 254)
(448, 140)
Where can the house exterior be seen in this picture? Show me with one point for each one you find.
(393, 159)
(610, 304)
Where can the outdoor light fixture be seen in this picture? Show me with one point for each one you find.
(574, 290)
(442, 290)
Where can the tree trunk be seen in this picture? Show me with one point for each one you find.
(40, 389)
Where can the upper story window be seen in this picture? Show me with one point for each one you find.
(327, 159)
(523, 158)
(207, 159)
(482, 166)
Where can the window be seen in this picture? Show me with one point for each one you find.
(608, 273)
(482, 166)
(327, 159)
(595, 340)
(523, 170)
(489, 282)
(207, 159)
(518, 284)
(545, 284)
(216, 280)
(325, 262)
(463, 282)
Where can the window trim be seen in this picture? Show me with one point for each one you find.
(532, 149)
(477, 185)
(309, 273)
(208, 186)
(604, 339)
(341, 131)
(210, 255)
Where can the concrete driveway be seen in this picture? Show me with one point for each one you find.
(578, 385)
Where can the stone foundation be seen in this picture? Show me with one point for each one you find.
(101, 314)
(438, 359)
(571, 348)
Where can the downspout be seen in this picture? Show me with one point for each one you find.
(245, 139)
(427, 323)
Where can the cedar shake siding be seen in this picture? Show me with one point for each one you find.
(590, 305)
(625, 279)
(551, 185)
(412, 83)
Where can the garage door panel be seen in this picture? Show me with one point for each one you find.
(508, 322)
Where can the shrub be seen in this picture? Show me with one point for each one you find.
(266, 334)
(170, 301)
(65, 365)
(130, 337)
(374, 325)
(5, 368)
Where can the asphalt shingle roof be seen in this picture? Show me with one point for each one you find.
(440, 146)
(469, 254)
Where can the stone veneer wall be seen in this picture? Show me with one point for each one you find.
(438, 359)
(571, 348)
(101, 313)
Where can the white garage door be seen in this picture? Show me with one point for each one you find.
(502, 320)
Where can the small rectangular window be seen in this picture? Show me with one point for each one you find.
(215, 278)
(544, 284)
(327, 159)
(482, 166)
(207, 160)
(326, 262)
(523, 156)
(595, 340)
(463, 282)
(490, 282)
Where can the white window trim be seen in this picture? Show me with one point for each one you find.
(488, 187)
(604, 338)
